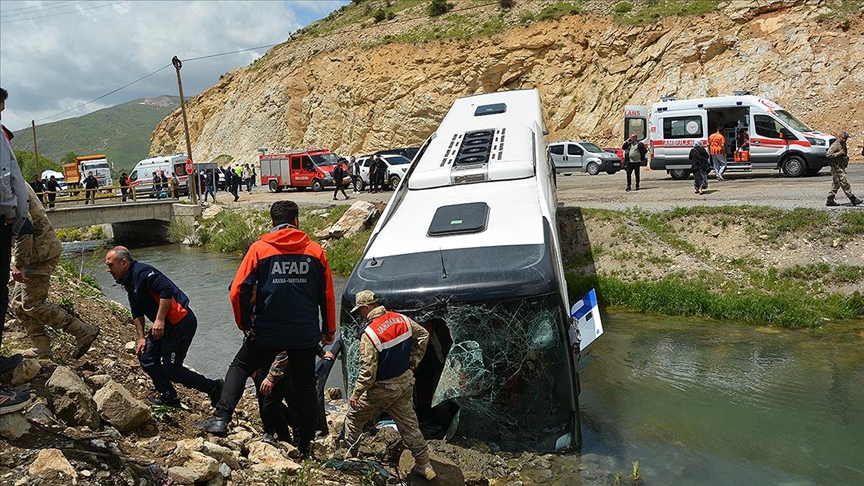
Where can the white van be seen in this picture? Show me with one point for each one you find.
(581, 156)
(141, 177)
(759, 134)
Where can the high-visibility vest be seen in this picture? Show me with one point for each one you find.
(390, 333)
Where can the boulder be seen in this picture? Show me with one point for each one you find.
(51, 464)
(116, 405)
(202, 466)
(25, 371)
(41, 414)
(222, 454)
(265, 457)
(211, 211)
(13, 426)
(99, 380)
(70, 398)
(358, 217)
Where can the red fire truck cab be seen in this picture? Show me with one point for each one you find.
(299, 169)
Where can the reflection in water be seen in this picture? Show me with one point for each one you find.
(712, 403)
(695, 402)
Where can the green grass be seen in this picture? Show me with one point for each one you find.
(655, 10)
(558, 10)
(675, 296)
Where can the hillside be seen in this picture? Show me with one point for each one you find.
(122, 132)
(355, 85)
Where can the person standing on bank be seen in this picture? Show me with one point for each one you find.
(161, 351)
(13, 207)
(210, 184)
(373, 174)
(38, 188)
(34, 258)
(90, 186)
(717, 150)
(355, 172)
(838, 159)
(281, 290)
(381, 172)
(391, 347)
(338, 178)
(634, 156)
(699, 165)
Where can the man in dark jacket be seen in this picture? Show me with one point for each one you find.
(283, 300)
(162, 351)
(338, 177)
(38, 188)
(124, 187)
(90, 185)
(51, 187)
(634, 158)
(381, 172)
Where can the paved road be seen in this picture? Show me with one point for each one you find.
(659, 191)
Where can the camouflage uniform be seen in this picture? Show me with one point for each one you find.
(838, 165)
(394, 395)
(36, 255)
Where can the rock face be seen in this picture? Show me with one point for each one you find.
(71, 399)
(116, 405)
(586, 67)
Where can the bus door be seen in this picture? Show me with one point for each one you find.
(769, 140)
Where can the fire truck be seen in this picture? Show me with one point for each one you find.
(299, 168)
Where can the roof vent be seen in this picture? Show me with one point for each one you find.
(458, 219)
(667, 98)
(742, 92)
(493, 109)
(475, 148)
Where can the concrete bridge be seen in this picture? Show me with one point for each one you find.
(133, 222)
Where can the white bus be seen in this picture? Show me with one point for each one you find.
(468, 247)
(759, 134)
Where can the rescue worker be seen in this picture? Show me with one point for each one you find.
(34, 258)
(281, 290)
(717, 150)
(162, 351)
(90, 186)
(838, 159)
(391, 347)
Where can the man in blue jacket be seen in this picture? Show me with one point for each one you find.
(162, 351)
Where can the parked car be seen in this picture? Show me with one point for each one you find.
(397, 165)
(407, 152)
(582, 156)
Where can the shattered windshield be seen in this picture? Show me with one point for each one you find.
(499, 372)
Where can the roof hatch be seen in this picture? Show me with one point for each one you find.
(459, 219)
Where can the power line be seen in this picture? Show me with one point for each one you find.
(106, 94)
(231, 52)
(74, 11)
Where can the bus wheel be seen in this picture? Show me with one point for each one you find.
(317, 185)
(273, 185)
(679, 174)
(794, 166)
(593, 168)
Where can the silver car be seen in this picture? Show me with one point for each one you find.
(581, 156)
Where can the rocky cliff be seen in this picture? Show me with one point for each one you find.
(352, 93)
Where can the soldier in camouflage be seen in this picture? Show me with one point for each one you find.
(838, 158)
(34, 257)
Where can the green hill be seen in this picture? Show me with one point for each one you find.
(121, 132)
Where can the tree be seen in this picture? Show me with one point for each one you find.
(28, 166)
(69, 157)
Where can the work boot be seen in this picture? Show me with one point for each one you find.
(42, 347)
(855, 200)
(84, 334)
(831, 201)
(425, 471)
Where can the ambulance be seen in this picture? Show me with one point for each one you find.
(759, 134)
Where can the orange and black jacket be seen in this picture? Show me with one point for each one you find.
(146, 286)
(281, 288)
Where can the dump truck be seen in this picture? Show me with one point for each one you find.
(74, 172)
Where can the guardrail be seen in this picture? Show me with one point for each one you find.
(82, 196)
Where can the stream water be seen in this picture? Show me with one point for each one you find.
(695, 402)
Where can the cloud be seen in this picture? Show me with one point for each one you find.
(55, 56)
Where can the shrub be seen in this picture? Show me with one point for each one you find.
(439, 7)
(379, 15)
(506, 4)
(622, 7)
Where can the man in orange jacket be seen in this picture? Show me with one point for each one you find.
(717, 149)
(281, 290)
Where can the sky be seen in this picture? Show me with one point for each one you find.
(57, 55)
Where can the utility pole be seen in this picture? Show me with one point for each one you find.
(35, 150)
(191, 183)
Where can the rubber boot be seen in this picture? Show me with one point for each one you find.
(84, 334)
(855, 200)
(831, 201)
(42, 347)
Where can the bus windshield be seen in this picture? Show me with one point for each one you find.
(793, 122)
